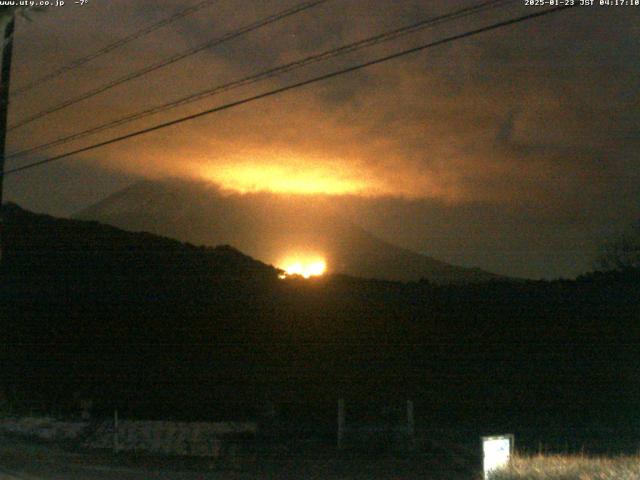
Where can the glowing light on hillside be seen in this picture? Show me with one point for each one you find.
(276, 178)
(302, 268)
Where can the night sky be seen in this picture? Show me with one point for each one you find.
(516, 151)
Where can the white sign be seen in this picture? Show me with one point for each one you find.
(496, 452)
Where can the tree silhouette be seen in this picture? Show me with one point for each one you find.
(621, 253)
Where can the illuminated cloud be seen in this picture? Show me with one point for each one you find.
(430, 125)
(540, 117)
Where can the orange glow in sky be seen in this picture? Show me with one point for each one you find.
(276, 178)
(305, 268)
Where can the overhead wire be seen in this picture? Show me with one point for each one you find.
(113, 46)
(169, 61)
(272, 72)
(293, 86)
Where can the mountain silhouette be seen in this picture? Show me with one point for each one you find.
(161, 328)
(270, 228)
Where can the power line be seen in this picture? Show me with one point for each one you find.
(293, 86)
(173, 59)
(112, 46)
(254, 78)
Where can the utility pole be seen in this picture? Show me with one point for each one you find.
(340, 423)
(116, 427)
(5, 77)
(411, 426)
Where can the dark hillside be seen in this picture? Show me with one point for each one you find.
(166, 329)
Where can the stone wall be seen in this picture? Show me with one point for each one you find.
(173, 438)
(159, 437)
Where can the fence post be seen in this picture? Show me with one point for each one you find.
(340, 423)
(411, 427)
(116, 444)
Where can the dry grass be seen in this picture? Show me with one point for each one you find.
(567, 467)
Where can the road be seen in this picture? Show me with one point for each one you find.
(21, 460)
(110, 473)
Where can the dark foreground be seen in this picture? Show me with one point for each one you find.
(21, 460)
